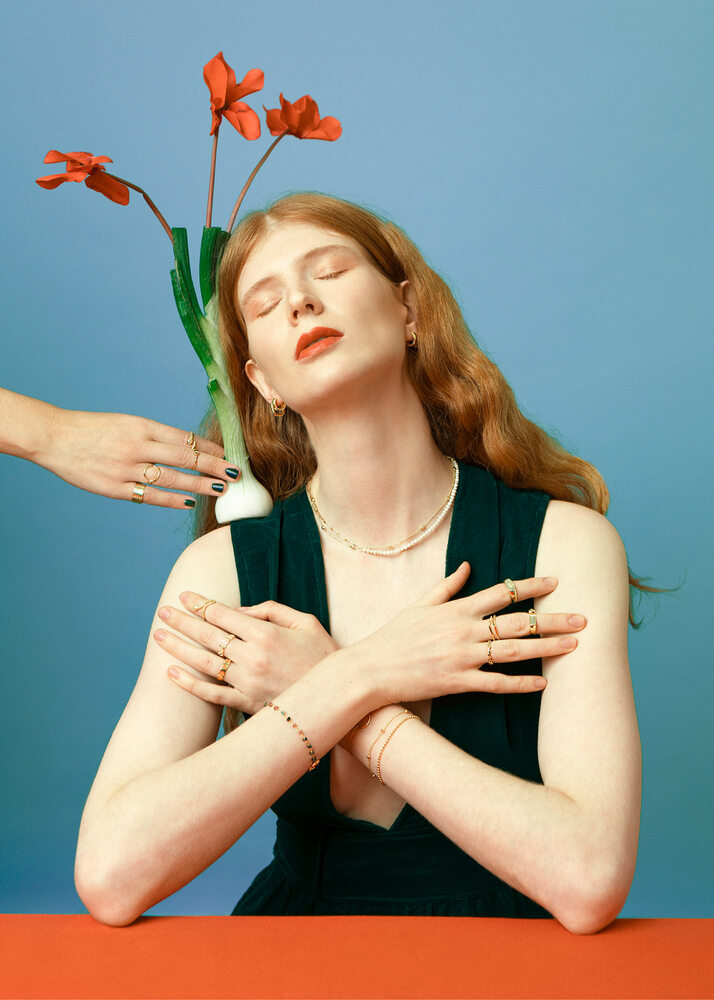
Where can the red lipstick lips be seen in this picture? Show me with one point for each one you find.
(325, 334)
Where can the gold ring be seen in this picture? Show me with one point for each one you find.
(195, 461)
(191, 440)
(222, 672)
(156, 477)
(201, 609)
(137, 494)
(492, 627)
(532, 624)
(223, 645)
(490, 657)
(511, 588)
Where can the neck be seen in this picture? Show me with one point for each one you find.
(380, 475)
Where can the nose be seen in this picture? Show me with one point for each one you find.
(304, 301)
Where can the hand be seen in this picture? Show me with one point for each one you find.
(270, 647)
(437, 646)
(107, 453)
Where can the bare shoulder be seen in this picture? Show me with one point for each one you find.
(208, 566)
(575, 535)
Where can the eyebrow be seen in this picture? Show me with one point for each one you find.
(254, 289)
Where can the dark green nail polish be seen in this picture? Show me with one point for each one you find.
(233, 473)
(189, 503)
(218, 487)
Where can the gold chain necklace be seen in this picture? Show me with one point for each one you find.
(411, 540)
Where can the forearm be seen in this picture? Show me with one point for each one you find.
(535, 838)
(166, 826)
(26, 425)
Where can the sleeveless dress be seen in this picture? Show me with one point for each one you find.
(327, 863)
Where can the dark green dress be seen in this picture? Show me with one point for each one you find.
(325, 863)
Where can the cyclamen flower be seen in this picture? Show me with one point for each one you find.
(90, 169)
(301, 119)
(226, 96)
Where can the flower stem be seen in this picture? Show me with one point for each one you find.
(148, 201)
(211, 181)
(247, 184)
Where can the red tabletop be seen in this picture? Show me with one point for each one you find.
(193, 958)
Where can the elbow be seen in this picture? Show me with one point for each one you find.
(592, 906)
(103, 897)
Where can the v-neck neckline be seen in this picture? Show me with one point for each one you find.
(313, 536)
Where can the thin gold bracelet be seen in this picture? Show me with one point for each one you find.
(288, 718)
(381, 733)
(379, 759)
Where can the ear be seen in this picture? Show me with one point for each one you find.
(408, 298)
(257, 377)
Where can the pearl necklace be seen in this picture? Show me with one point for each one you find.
(411, 540)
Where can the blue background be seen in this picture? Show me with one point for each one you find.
(553, 160)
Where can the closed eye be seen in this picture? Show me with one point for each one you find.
(321, 277)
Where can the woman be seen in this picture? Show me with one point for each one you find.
(357, 379)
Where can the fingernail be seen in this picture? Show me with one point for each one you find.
(233, 473)
(540, 682)
(159, 634)
(576, 620)
(568, 642)
(218, 487)
(172, 672)
(189, 503)
(164, 613)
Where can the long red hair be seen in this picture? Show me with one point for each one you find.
(471, 409)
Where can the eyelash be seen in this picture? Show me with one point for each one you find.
(322, 277)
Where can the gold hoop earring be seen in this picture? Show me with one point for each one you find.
(277, 408)
(412, 342)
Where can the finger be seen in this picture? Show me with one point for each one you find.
(495, 683)
(176, 479)
(512, 626)
(158, 498)
(224, 618)
(205, 634)
(216, 694)
(495, 598)
(278, 614)
(166, 434)
(183, 457)
(198, 657)
(512, 650)
(445, 589)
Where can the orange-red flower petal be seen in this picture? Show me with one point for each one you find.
(226, 95)
(82, 166)
(302, 119)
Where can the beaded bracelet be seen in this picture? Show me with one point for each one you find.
(381, 733)
(379, 759)
(315, 760)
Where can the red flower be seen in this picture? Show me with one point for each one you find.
(301, 119)
(226, 94)
(87, 168)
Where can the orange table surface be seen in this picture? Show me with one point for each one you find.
(75, 957)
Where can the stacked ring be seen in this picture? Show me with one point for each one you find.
(511, 588)
(201, 609)
(222, 672)
(223, 644)
(492, 627)
(490, 657)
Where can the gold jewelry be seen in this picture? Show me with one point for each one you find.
(511, 587)
(532, 624)
(412, 342)
(379, 759)
(222, 672)
(381, 733)
(137, 494)
(201, 609)
(195, 460)
(191, 441)
(490, 657)
(315, 760)
(492, 627)
(156, 477)
(223, 644)
(277, 408)
(411, 540)
(360, 725)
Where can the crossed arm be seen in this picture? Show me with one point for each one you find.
(168, 801)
